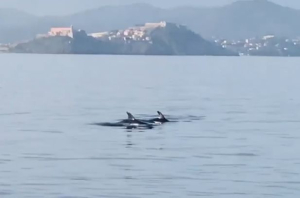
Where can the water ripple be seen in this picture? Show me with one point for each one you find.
(94, 158)
(15, 114)
(235, 154)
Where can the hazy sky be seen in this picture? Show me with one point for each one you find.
(61, 7)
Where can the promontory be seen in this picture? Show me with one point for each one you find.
(161, 38)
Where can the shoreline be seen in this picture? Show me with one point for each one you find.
(142, 55)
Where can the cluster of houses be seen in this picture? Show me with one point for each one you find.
(137, 33)
(266, 45)
(4, 47)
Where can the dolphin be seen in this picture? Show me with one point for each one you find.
(160, 120)
(130, 123)
(134, 123)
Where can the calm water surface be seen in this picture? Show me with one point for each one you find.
(246, 143)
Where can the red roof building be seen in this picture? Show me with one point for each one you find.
(62, 31)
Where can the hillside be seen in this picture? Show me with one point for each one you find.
(151, 39)
(242, 19)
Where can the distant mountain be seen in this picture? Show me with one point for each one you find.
(150, 39)
(249, 18)
(116, 17)
(15, 25)
(242, 19)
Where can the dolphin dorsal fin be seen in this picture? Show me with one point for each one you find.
(161, 116)
(130, 116)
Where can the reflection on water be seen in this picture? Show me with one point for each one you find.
(235, 130)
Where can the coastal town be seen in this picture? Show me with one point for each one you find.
(137, 33)
(162, 38)
(268, 45)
